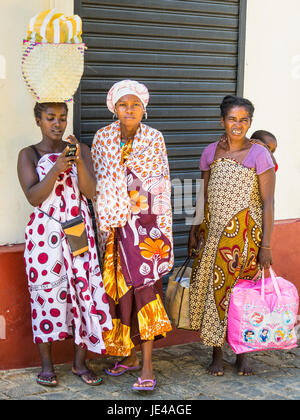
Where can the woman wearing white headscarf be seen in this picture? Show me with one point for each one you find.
(134, 224)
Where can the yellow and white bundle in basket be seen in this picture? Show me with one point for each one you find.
(53, 56)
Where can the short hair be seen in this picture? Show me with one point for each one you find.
(231, 101)
(41, 107)
(260, 134)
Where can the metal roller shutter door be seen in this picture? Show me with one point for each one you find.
(186, 52)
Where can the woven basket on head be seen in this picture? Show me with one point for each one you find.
(52, 72)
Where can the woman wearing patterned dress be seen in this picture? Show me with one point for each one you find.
(134, 220)
(235, 235)
(66, 291)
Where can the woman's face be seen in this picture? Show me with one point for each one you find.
(53, 122)
(130, 110)
(236, 123)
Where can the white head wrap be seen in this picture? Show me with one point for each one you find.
(126, 87)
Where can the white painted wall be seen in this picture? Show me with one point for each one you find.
(17, 125)
(272, 82)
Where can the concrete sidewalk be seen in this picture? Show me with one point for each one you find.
(181, 375)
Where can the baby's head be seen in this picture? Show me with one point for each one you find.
(267, 138)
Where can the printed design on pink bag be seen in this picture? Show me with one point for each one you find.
(279, 335)
(259, 327)
(290, 335)
(288, 318)
(264, 335)
(256, 319)
(262, 315)
(249, 336)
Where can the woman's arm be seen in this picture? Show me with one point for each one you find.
(85, 170)
(267, 188)
(37, 191)
(201, 201)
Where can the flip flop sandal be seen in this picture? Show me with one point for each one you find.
(47, 379)
(90, 376)
(145, 388)
(125, 369)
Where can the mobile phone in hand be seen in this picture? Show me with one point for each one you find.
(72, 150)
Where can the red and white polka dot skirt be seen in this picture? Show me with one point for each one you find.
(67, 293)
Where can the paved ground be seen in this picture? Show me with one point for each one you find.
(180, 373)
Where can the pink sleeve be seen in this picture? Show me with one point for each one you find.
(207, 157)
(263, 161)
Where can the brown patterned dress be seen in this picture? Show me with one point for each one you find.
(232, 228)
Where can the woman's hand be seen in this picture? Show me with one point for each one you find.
(36, 190)
(196, 242)
(85, 170)
(64, 162)
(73, 140)
(265, 259)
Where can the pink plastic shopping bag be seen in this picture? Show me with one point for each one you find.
(262, 315)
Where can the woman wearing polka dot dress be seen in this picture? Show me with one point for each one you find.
(66, 291)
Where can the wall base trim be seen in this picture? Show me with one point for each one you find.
(16, 346)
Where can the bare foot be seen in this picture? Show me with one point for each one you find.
(242, 365)
(216, 366)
